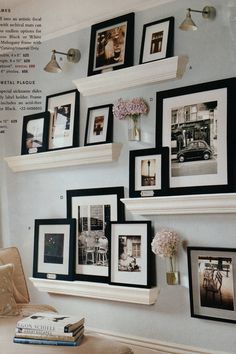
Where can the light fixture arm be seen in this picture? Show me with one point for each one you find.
(208, 12)
(73, 55)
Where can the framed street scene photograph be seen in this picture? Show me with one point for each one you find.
(212, 283)
(130, 253)
(54, 244)
(157, 40)
(197, 124)
(99, 125)
(93, 209)
(64, 119)
(148, 172)
(35, 133)
(111, 44)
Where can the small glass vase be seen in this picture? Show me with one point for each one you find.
(172, 275)
(134, 128)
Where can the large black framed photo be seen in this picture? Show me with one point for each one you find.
(99, 125)
(212, 283)
(64, 119)
(54, 255)
(93, 209)
(111, 44)
(148, 172)
(197, 123)
(157, 40)
(130, 253)
(35, 133)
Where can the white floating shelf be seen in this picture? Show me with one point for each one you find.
(97, 291)
(66, 157)
(143, 74)
(182, 204)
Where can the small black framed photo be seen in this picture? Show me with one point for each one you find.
(99, 125)
(64, 119)
(197, 124)
(157, 40)
(111, 44)
(54, 243)
(149, 172)
(130, 253)
(35, 133)
(212, 283)
(93, 209)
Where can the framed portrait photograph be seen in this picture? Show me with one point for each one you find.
(130, 253)
(212, 283)
(111, 44)
(148, 172)
(157, 40)
(197, 124)
(35, 133)
(99, 125)
(93, 209)
(54, 249)
(64, 119)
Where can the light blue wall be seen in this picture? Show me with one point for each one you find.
(30, 195)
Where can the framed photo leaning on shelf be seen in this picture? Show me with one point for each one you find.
(157, 40)
(35, 133)
(197, 124)
(93, 209)
(111, 44)
(64, 119)
(212, 283)
(54, 254)
(99, 125)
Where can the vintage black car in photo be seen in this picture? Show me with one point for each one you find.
(195, 150)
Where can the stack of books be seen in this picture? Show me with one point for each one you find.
(50, 329)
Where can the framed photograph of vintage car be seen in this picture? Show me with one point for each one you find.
(212, 283)
(197, 123)
(54, 255)
(111, 44)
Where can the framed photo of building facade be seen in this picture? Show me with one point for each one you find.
(149, 172)
(157, 40)
(64, 119)
(197, 124)
(111, 44)
(130, 253)
(212, 283)
(93, 209)
(54, 255)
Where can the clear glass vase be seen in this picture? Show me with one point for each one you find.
(172, 275)
(134, 128)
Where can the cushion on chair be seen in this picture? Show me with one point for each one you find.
(8, 306)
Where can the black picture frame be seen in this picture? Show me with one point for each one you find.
(64, 108)
(203, 112)
(157, 40)
(149, 172)
(35, 133)
(212, 283)
(99, 125)
(54, 242)
(130, 256)
(119, 34)
(93, 209)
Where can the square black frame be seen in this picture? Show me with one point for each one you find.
(128, 20)
(62, 226)
(29, 137)
(150, 190)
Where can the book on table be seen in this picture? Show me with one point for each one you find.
(47, 342)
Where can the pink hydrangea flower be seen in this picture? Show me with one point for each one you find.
(132, 108)
(165, 243)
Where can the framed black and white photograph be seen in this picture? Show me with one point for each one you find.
(130, 253)
(157, 40)
(197, 123)
(148, 172)
(212, 283)
(99, 126)
(64, 119)
(93, 209)
(35, 133)
(111, 44)
(54, 249)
